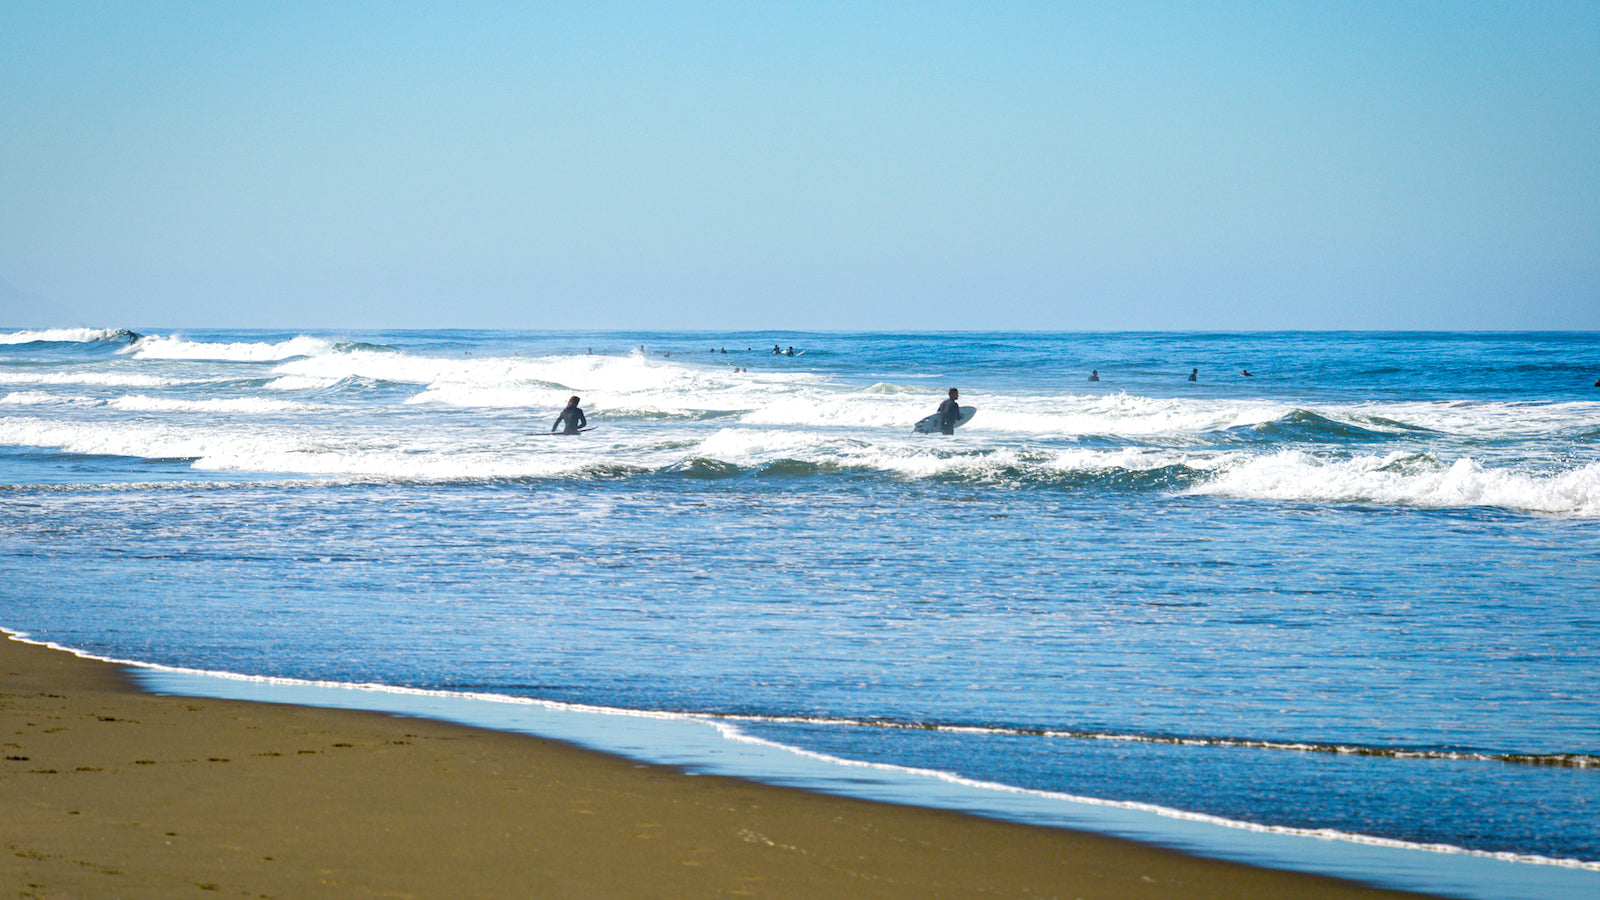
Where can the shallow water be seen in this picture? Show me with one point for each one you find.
(1353, 591)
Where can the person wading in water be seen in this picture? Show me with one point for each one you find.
(572, 417)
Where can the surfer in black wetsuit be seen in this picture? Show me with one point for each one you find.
(949, 412)
(1195, 375)
(1094, 374)
(572, 417)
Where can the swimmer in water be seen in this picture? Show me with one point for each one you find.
(1094, 374)
(1195, 375)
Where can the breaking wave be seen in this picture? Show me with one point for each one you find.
(1406, 479)
(153, 348)
(70, 336)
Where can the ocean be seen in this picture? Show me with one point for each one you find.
(1348, 598)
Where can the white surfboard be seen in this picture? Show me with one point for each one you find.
(930, 425)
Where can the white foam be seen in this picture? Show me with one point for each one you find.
(300, 383)
(626, 385)
(1478, 419)
(113, 439)
(155, 347)
(1068, 416)
(818, 409)
(102, 379)
(1124, 415)
(29, 398)
(1407, 480)
(61, 335)
(1135, 459)
(920, 457)
(381, 366)
(491, 382)
(140, 403)
(401, 464)
(302, 450)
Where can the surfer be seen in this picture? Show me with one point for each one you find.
(949, 412)
(1195, 375)
(572, 417)
(1247, 374)
(1094, 374)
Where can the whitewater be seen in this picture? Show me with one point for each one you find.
(1346, 598)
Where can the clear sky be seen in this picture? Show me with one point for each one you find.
(807, 165)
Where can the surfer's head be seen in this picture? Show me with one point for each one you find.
(573, 401)
(954, 393)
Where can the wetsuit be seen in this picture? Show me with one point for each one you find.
(949, 412)
(573, 418)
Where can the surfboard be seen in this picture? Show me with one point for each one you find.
(930, 425)
(564, 433)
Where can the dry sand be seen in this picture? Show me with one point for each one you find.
(109, 792)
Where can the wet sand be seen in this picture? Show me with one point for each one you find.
(110, 792)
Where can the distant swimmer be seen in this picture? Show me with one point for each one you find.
(572, 417)
(1246, 373)
(1195, 375)
(1094, 374)
(949, 412)
(790, 353)
(776, 350)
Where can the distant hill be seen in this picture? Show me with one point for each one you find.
(20, 309)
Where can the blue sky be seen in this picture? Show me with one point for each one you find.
(808, 165)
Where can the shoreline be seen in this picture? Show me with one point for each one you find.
(115, 791)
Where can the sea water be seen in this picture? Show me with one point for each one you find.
(1352, 593)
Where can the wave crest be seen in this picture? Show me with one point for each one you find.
(1406, 479)
(155, 347)
(70, 336)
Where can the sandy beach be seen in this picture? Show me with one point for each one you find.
(110, 792)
